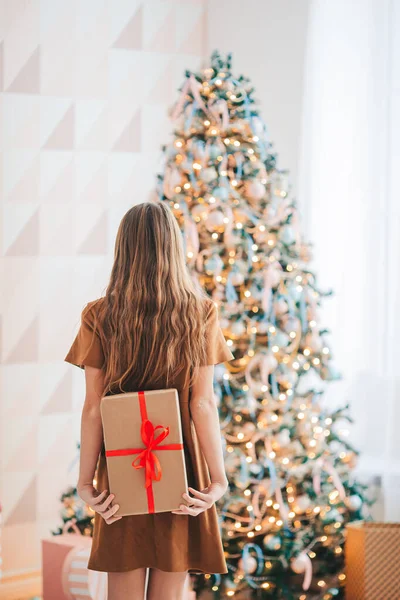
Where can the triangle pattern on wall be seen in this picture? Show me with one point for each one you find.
(27, 81)
(60, 400)
(27, 241)
(63, 135)
(131, 37)
(96, 241)
(130, 138)
(27, 347)
(25, 509)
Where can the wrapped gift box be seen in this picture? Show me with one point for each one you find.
(64, 567)
(144, 450)
(372, 555)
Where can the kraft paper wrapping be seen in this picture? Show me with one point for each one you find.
(372, 555)
(122, 421)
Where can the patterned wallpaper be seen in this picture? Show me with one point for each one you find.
(84, 92)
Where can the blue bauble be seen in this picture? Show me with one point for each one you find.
(221, 192)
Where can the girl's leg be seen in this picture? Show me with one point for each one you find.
(129, 585)
(166, 586)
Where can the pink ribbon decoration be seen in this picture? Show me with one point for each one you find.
(302, 564)
(330, 469)
(192, 235)
(71, 524)
(267, 292)
(219, 110)
(193, 86)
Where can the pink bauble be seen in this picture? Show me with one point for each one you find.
(254, 190)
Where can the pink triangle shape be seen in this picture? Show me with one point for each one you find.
(164, 39)
(27, 347)
(27, 80)
(27, 242)
(63, 190)
(194, 42)
(26, 456)
(1, 66)
(131, 36)
(26, 189)
(60, 400)
(25, 509)
(97, 189)
(63, 134)
(96, 241)
(130, 138)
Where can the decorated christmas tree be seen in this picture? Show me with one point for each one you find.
(288, 460)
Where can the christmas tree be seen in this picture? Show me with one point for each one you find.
(288, 460)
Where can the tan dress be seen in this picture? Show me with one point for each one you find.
(164, 541)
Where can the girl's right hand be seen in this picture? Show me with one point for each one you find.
(100, 503)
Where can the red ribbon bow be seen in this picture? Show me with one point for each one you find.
(147, 459)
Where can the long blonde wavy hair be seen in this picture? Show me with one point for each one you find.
(153, 313)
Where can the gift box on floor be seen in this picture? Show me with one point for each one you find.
(144, 450)
(372, 555)
(64, 569)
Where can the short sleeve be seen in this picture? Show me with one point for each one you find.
(217, 350)
(86, 348)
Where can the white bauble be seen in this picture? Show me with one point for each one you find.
(200, 211)
(283, 437)
(254, 190)
(215, 220)
(262, 327)
(238, 328)
(248, 564)
(281, 339)
(214, 151)
(301, 504)
(335, 447)
(237, 278)
(209, 174)
(287, 235)
(272, 542)
(214, 264)
(354, 502)
(299, 564)
(221, 192)
(257, 125)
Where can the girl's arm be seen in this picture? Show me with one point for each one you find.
(205, 417)
(91, 442)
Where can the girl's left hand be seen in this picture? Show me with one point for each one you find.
(202, 501)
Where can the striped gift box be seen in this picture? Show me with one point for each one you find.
(372, 561)
(79, 582)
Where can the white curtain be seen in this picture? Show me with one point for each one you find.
(350, 158)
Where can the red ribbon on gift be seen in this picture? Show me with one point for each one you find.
(146, 458)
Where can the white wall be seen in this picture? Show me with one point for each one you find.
(268, 41)
(350, 152)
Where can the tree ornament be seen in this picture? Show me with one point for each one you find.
(248, 564)
(301, 503)
(353, 502)
(215, 220)
(254, 190)
(213, 265)
(272, 542)
(209, 174)
(287, 235)
(221, 192)
(283, 437)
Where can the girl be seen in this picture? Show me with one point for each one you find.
(153, 329)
